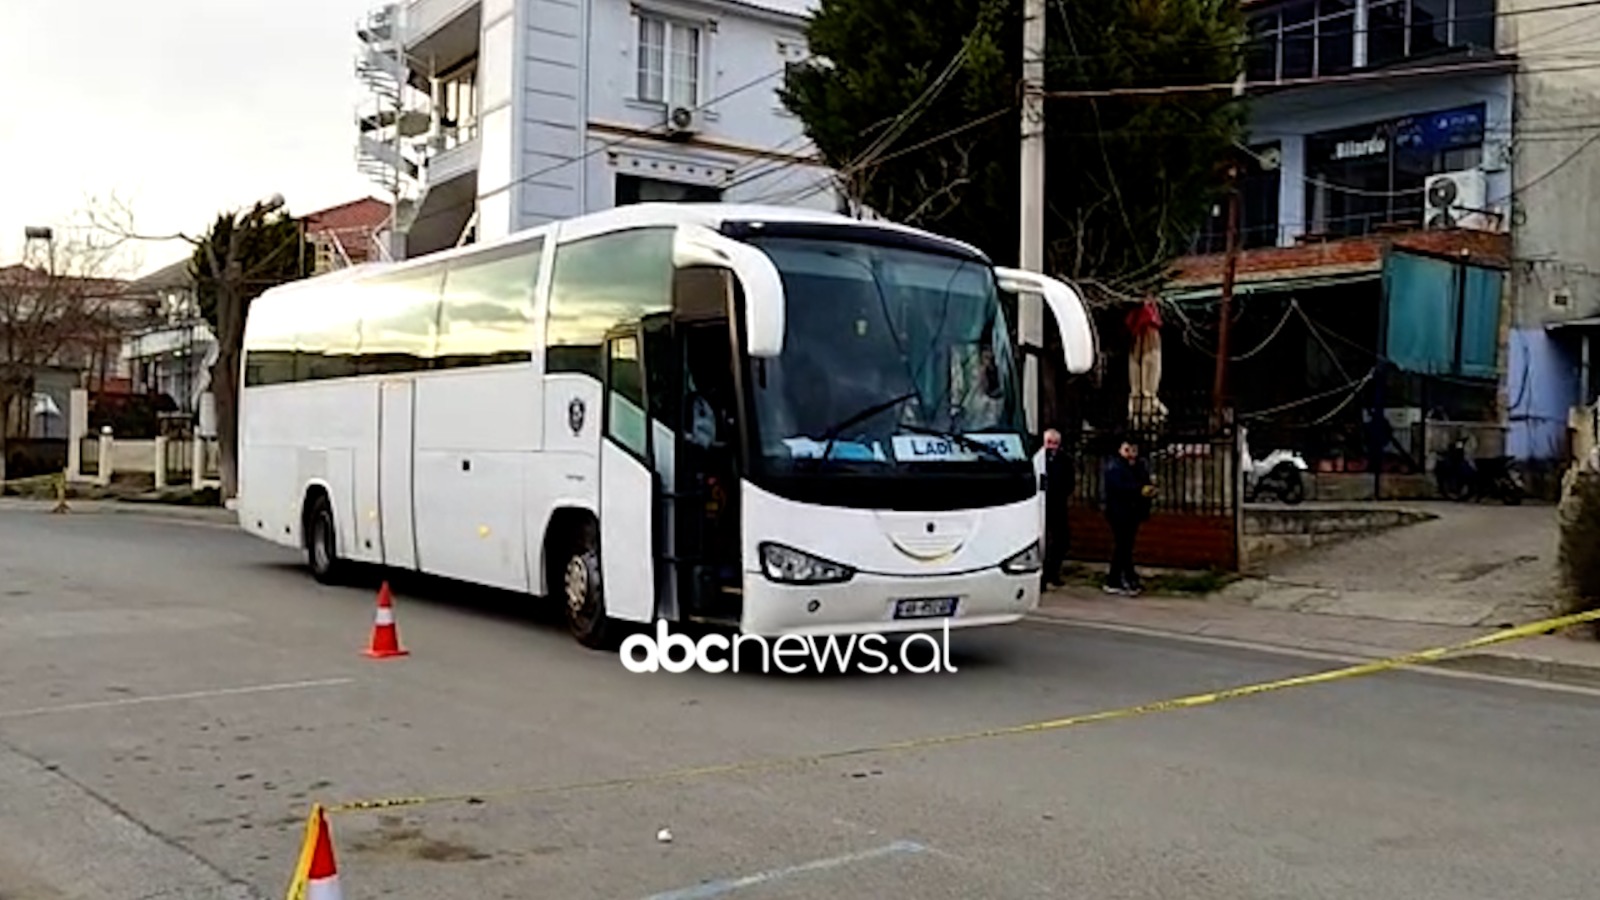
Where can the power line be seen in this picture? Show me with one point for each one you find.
(1386, 74)
(904, 151)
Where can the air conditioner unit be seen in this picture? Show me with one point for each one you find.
(1457, 200)
(682, 121)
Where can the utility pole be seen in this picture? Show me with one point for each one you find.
(1030, 307)
(1219, 385)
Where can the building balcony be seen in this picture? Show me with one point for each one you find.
(456, 155)
(442, 32)
(1293, 43)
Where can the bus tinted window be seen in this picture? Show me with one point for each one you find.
(602, 282)
(269, 345)
(488, 309)
(328, 338)
(399, 322)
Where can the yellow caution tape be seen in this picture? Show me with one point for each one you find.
(1369, 668)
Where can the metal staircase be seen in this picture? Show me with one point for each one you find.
(395, 118)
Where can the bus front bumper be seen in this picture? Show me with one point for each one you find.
(868, 604)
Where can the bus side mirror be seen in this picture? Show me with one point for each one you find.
(697, 245)
(1072, 318)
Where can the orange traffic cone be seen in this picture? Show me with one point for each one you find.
(385, 636)
(317, 876)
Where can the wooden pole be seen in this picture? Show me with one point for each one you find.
(1219, 385)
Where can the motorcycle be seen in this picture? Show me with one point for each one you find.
(1281, 473)
(1462, 479)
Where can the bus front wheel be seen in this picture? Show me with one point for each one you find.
(583, 591)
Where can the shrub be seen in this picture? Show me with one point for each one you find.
(1578, 556)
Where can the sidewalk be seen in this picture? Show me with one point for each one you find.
(1477, 565)
(1546, 658)
(207, 514)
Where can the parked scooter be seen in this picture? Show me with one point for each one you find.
(1490, 477)
(1281, 473)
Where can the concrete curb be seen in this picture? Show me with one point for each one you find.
(204, 514)
(1526, 668)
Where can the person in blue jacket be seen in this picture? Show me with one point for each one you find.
(1129, 491)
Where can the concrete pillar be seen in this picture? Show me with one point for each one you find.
(197, 459)
(161, 462)
(107, 445)
(77, 430)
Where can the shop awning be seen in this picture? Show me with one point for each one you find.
(1277, 285)
(1589, 322)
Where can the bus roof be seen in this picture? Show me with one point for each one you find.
(634, 215)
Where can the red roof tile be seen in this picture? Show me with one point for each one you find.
(359, 215)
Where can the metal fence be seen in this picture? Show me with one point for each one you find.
(1195, 473)
(1193, 456)
(178, 459)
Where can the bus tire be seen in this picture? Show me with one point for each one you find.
(583, 599)
(322, 542)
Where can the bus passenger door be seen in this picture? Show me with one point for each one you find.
(628, 485)
(395, 443)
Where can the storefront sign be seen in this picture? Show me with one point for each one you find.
(1375, 146)
(1425, 133)
(1437, 131)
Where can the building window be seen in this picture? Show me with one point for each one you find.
(1371, 175)
(1302, 39)
(669, 54)
(457, 96)
(1316, 38)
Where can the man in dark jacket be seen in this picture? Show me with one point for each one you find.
(1058, 481)
(1128, 493)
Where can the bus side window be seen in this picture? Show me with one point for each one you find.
(487, 315)
(599, 283)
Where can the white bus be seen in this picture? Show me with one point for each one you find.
(836, 439)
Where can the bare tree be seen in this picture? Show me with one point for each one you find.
(242, 255)
(57, 309)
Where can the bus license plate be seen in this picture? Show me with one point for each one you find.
(925, 609)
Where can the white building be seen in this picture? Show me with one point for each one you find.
(490, 116)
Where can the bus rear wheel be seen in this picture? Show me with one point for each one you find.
(583, 592)
(322, 544)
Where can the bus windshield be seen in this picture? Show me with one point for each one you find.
(892, 358)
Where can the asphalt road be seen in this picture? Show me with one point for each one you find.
(173, 696)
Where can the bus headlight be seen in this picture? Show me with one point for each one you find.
(789, 566)
(1027, 561)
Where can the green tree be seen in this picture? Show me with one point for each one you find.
(1129, 179)
(238, 260)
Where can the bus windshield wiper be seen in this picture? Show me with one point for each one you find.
(832, 433)
(961, 439)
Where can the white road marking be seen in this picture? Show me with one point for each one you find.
(725, 886)
(172, 698)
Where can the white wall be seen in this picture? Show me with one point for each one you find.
(548, 97)
(1557, 218)
(580, 99)
(1290, 117)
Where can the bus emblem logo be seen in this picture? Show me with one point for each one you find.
(575, 415)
